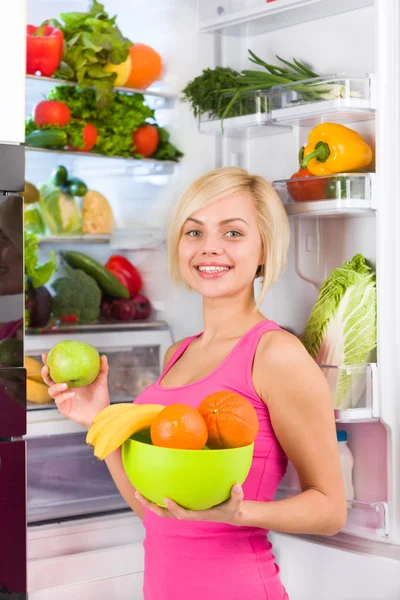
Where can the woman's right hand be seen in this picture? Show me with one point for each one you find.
(81, 405)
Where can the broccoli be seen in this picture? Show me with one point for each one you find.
(77, 293)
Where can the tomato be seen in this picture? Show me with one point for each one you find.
(51, 112)
(89, 135)
(146, 140)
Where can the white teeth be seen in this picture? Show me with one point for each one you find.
(213, 269)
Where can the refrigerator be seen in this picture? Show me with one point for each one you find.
(354, 44)
(13, 558)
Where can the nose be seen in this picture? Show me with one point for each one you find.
(211, 246)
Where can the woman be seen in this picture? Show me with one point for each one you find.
(228, 229)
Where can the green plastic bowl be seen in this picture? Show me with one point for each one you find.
(195, 479)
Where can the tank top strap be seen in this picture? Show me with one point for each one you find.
(178, 353)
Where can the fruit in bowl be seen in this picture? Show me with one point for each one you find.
(193, 456)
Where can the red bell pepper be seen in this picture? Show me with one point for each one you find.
(306, 191)
(126, 273)
(44, 49)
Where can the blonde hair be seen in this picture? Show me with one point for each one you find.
(271, 215)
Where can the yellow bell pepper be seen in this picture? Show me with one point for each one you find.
(333, 149)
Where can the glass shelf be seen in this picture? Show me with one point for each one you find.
(251, 118)
(150, 165)
(154, 90)
(351, 194)
(74, 239)
(131, 238)
(113, 326)
(337, 98)
(251, 17)
(354, 390)
(367, 520)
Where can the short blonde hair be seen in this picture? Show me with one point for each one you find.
(271, 215)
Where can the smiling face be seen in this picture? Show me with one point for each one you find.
(220, 247)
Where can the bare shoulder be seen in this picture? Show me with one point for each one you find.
(171, 351)
(281, 361)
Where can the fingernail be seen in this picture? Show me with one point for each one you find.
(237, 487)
(166, 502)
(70, 394)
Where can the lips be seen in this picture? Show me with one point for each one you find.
(212, 270)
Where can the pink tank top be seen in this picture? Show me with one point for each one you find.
(192, 560)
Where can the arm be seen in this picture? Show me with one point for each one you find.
(299, 402)
(116, 468)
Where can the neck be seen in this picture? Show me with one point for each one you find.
(229, 316)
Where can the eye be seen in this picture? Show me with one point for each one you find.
(193, 233)
(233, 234)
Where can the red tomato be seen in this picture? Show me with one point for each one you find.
(51, 112)
(146, 140)
(89, 135)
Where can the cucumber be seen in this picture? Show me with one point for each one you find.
(76, 187)
(59, 176)
(47, 138)
(106, 280)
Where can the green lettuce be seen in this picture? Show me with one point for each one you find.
(341, 330)
(60, 211)
(38, 274)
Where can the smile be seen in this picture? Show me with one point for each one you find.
(212, 271)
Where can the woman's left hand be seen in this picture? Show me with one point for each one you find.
(227, 512)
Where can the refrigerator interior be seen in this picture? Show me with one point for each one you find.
(351, 42)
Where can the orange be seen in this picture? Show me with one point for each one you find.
(146, 67)
(179, 426)
(231, 420)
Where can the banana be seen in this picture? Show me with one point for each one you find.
(37, 392)
(104, 417)
(123, 426)
(33, 368)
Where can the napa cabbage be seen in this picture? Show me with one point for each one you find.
(341, 331)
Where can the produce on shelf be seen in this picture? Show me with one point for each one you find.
(30, 195)
(106, 280)
(35, 275)
(334, 148)
(60, 210)
(33, 220)
(77, 294)
(116, 423)
(223, 93)
(36, 389)
(108, 130)
(341, 329)
(92, 41)
(146, 67)
(74, 363)
(146, 140)
(96, 214)
(130, 309)
(143, 307)
(51, 112)
(125, 272)
(38, 303)
(122, 71)
(33, 368)
(70, 185)
(303, 190)
(44, 48)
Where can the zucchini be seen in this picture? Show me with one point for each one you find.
(106, 280)
(76, 187)
(59, 176)
(47, 138)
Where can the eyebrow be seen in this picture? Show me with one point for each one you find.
(224, 222)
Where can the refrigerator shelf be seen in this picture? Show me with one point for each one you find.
(351, 194)
(354, 390)
(339, 98)
(113, 326)
(364, 519)
(252, 17)
(74, 239)
(144, 165)
(153, 91)
(134, 238)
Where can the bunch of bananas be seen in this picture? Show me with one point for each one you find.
(116, 423)
(36, 389)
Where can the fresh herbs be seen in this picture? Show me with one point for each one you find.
(224, 93)
(91, 41)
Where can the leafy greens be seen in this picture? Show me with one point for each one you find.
(341, 330)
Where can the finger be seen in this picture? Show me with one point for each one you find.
(179, 512)
(236, 494)
(45, 376)
(158, 510)
(60, 389)
(44, 359)
(61, 401)
(104, 364)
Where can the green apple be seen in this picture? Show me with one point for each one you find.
(75, 363)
